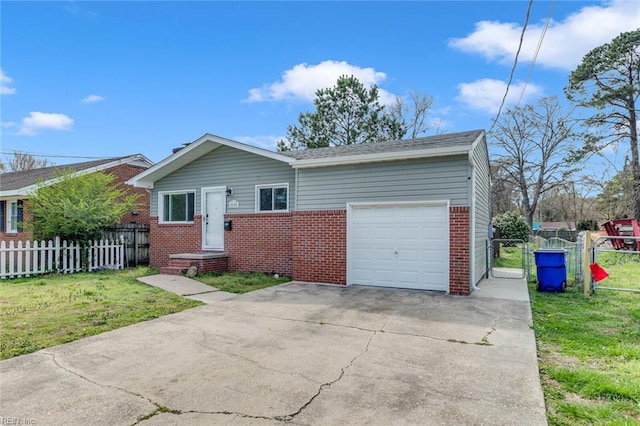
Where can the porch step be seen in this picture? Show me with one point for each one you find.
(172, 270)
(183, 263)
(205, 262)
(177, 266)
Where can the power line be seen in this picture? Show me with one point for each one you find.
(535, 55)
(515, 64)
(51, 155)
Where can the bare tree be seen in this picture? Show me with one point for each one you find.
(532, 142)
(413, 114)
(23, 161)
(504, 194)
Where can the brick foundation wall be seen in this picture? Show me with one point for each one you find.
(320, 246)
(308, 245)
(260, 242)
(459, 266)
(166, 239)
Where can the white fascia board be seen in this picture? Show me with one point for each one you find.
(382, 156)
(250, 148)
(196, 149)
(475, 143)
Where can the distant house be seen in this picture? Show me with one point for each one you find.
(410, 214)
(15, 188)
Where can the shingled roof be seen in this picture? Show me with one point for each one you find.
(14, 181)
(450, 140)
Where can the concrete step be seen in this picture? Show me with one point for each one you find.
(172, 270)
(184, 263)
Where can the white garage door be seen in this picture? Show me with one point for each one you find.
(400, 245)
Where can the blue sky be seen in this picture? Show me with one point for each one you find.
(101, 79)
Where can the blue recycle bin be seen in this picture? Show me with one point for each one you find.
(551, 267)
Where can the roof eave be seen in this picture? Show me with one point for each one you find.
(193, 151)
(26, 190)
(382, 156)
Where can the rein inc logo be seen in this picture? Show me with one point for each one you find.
(17, 421)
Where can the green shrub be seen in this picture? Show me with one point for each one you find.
(587, 225)
(512, 225)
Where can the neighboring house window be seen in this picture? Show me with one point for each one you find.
(14, 216)
(176, 206)
(2, 206)
(272, 197)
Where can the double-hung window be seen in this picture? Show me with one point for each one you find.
(176, 207)
(272, 198)
(14, 216)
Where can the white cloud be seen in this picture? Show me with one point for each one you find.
(486, 94)
(92, 99)
(261, 141)
(302, 81)
(5, 81)
(8, 124)
(39, 121)
(565, 42)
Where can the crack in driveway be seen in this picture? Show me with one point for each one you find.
(483, 341)
(204, 345)
(164, 409)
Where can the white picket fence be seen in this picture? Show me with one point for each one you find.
(29, 258)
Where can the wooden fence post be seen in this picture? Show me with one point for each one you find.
(586, 261)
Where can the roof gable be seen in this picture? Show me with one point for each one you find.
(22, 182)
(193, 151)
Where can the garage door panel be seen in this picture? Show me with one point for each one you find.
(399, 246)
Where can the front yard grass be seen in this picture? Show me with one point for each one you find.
(39, 312)
(238, 282)
(589, 355)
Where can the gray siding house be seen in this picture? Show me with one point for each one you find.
(410, 214)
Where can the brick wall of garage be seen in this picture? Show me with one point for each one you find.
(459, 232)
(320, 246)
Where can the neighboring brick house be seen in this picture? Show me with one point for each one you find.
(15, 188)
(410, 214)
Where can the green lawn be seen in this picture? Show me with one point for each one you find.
(589, 354)
(238, 282)
(39, 312)
(510, 257)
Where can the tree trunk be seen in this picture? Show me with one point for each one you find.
(635, 158)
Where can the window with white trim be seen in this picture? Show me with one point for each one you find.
(272, 198)
(176, 207)
(14, 216)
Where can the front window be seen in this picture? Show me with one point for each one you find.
(272, 197)
(177, 206)
(14, 216)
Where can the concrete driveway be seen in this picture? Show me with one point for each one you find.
(298, 353)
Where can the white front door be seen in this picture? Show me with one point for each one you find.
(214, 202)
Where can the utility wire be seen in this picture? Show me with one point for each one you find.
(50, 155)
(515, 64)
(535, 55)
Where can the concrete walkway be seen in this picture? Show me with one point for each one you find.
(298, 353)
(187, 287)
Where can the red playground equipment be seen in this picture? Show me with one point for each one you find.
(623, 228)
